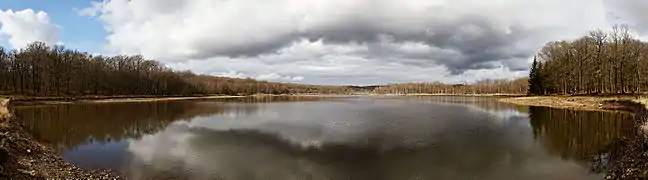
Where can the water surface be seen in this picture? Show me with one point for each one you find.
(370, 138)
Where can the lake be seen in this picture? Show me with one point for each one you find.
(373, 138)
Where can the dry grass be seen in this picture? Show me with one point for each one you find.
(581, 103)
(595, 103)
(642, 100)
(4, 111)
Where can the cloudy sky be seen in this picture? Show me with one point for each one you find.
(320, 41)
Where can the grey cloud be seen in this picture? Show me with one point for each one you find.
(474, 47)
(474, 39)
(479, 48)
(630, 11)
(351, 41)
(206, 48)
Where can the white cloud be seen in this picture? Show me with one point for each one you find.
(347, 42)
(232, 74)
(276, 77)
(26, 26)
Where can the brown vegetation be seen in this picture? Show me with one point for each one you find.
(4, 111)
(596, 103)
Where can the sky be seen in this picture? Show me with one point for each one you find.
(330, 42)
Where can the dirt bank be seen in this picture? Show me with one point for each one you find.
(22, 157)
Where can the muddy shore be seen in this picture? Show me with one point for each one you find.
(22, 157)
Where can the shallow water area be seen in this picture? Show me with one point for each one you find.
(377, 138)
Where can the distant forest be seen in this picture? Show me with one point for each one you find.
(516, 86)
(600, 62)
(41, 70)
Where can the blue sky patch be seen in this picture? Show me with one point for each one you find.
(76, 32)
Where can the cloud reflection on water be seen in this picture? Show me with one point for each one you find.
(357, 139)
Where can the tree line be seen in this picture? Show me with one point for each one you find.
(515, 86)
(600, 62)
(42, 70)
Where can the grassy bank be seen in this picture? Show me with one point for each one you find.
(592, 103)
(469, 95)
(4, 109)
(22, 157)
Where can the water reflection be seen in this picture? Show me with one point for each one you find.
(578, 135)
(327, 138)
(381, 138)
(276, 99)
(484, 103)
(71, 125)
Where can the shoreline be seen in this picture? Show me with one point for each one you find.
(21, 101)
(22, 157)
(34, 101)
(586, 103)
(470, 95)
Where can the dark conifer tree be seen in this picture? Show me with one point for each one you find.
(535, 84)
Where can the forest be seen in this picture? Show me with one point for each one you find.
(41, 70)
(600, 62)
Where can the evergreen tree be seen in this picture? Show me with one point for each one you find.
(535, 86)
